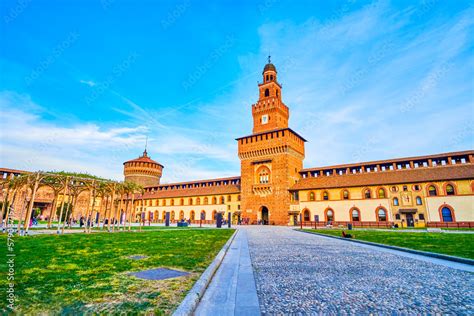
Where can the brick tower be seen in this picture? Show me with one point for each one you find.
(270, 157)
(143, 171)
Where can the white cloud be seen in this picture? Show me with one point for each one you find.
(90, 83)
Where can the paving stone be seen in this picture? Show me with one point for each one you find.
(301, 273)
(159, 274)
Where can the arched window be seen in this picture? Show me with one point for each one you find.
(306, 215)
(214, 215)
(198, 201)
(172, 215)
(381, 193)
(345, 195)
(267, 92)
(395, 201)
(381, 215)
(450, 190)
(238, 197)
(181, 214)
(192, 216)
(264, 176)
(271, 77)
(432, 191)
(446, 214)
(214, 200)
(229, 198)
(419, 201)
(266, 78)
(206, 200)
(181, 201)
(311, 196)
(325, 195)
(355, 215)
(164, 215)
(329, 215)
(172, 202)
(203, 215)
(367, 194)
(190, 201)
(222, 200)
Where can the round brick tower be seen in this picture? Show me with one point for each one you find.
(143, 171)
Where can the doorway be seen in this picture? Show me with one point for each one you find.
(264, 216)
(410, 222)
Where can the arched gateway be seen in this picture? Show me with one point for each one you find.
(264, 215)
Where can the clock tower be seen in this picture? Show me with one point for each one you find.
(269, 112)
(270, 158)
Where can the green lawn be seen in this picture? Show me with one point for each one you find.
(87, 273)
(460, 245)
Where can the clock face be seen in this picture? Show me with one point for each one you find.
(265, 119)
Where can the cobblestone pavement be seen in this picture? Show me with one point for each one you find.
(300, 273)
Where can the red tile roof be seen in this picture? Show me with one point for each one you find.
(422, 174)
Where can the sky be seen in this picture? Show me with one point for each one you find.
(83, 84)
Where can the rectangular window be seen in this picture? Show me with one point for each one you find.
(421, 217)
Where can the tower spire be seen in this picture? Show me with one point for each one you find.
(145, 154)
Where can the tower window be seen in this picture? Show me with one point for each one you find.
(267, 92)
(271, 77)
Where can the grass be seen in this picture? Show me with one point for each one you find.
(88, 273)
(460, 245)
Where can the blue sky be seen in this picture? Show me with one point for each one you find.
(83, 83)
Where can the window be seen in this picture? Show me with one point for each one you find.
(203, 215)
(181, 215)
(172, 215)
(206, 200)
(264, 176)
(345, 195)
(265, 119)
(355, 215)
(381, 193)
(214, 215)
(198, 201)
(311, 196)
(397, 216)
(432, 191)
(419, 201)
(329, 215)
(367, 194)
(421, 217)
(267, 92)
(192, 216)
(405, 188)
(238, 197)
(446, 214)
(395, 201)
(416, 187)
(394, 189)
(172, 202)
(450, 190)
(190, 201)
(181, 201)
(325, 196)
(214, 200)
(382, 215)
(229, 198)
(222, 200)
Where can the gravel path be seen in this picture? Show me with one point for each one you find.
(301, 273)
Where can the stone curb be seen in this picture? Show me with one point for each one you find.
(416, 252)
(190, 302)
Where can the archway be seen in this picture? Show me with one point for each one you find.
(264, 215)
